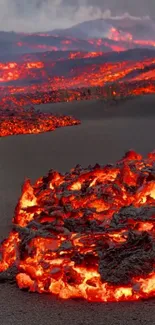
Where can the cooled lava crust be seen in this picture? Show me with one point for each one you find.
(89, 233)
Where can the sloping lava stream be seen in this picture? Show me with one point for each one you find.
(88, 233)
(17, 120)
(84, 76)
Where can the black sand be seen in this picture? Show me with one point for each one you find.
(104, 135)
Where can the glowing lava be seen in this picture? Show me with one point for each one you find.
(29, 121)
(44, 74)
(116, 40)
(89, 233)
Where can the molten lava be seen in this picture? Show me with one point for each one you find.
(88, 233)
(37, 69)
(116, 40)
(27, 121)
(45, 75)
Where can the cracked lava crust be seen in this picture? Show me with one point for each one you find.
(88, 233)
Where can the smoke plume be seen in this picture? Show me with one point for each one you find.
(44, 15)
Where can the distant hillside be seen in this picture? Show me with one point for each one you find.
(100, 27)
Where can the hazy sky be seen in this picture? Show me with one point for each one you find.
(36, 15)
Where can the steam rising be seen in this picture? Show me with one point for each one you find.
(44, 15)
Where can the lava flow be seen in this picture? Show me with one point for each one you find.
(29, 75)
(115, 40)
(89, 233)
(29, 121)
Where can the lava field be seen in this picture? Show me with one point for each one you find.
(78, 70)
(88, 233)
(45, 67)
(16, 120)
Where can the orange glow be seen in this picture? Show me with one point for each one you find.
(116, 40)
(115, 35)
(89, 233)
(91, 75)
(17, 120)
(84, 55)
(34, 65)
(34, 81)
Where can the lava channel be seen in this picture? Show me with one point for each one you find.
(88, 233)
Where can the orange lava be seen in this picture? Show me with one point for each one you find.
(89, 75)
(89, 233)
(33, 69)
(40, 94)
(115, 40)
(28, 121)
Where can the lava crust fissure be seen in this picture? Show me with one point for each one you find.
(88, 233)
